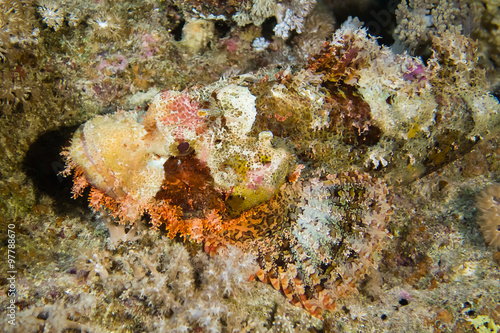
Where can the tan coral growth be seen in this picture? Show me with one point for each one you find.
(488, 203)
(105, 26)
(421, 20)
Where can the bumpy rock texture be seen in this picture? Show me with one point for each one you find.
(488, 203)
(250, 165)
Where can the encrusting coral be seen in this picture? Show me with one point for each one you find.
(260, 172)
(229, 163)
(488, 203)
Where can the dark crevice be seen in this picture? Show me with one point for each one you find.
(177, 31)
(267, 28)
(378, 16)
(222, 28)
(43, 163)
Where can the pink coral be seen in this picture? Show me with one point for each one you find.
(149, 45)
(114, 65)
(231, 44)
(415, 73)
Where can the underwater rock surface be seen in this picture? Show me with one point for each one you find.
(250, 166)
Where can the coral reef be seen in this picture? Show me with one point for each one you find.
(318, 27)
(18, 27)
(419, 21)
(197, 34)
(488, 203)
(176, 289)
(488, 32)
(251, 166)
(202, 163)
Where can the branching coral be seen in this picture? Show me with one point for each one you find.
(256, 13)
(419, 20)
(290, 16)
(488, 203)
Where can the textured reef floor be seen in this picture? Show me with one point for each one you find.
(250, 166)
